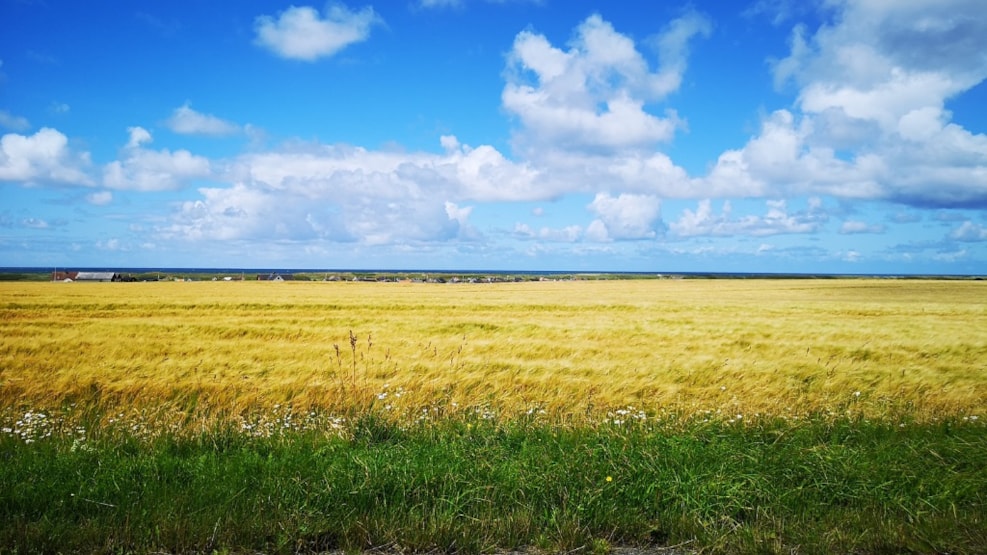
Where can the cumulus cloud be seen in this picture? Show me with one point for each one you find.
(248, 212)
(302, 33)
(782, 160)
(777, 220)
(626, 216)
(42, 157)
(594, 94)
(142, 169)
(186, 121)
(461, 173)
(584, 111)
(345, 193)
(872, 83)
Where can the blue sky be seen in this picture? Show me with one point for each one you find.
(751, 136)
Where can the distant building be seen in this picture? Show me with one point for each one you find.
(87, 276)
(98, 276)
(274, 277)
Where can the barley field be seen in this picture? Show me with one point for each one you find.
(567, 350)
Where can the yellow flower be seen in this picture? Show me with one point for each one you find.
(609, 478)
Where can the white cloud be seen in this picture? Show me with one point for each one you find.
(101, 198)
(626, 216)
(852, 227)
(449, 143)
(343, 193)
(596, 232)
(142, 169)
(777, 220)
(568, 234)
(187, 121)
(12, 122)
(673, 50)
(42, 157)
(248, 212)
(302, 33)
(872, 84)
(461, 173)
(584, 112)
(594, 95)
(969, 232)
(138, 136)
(782, 160)
(483, 173)
(460, 215)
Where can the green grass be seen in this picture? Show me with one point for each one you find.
(475, 485)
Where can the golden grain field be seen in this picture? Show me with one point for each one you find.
(575, 350)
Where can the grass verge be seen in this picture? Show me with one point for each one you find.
(475, 485)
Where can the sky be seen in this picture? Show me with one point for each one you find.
(792, 136)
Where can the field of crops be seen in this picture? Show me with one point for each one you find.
(602, 376)
(571, 349)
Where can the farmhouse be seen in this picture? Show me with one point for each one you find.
(86, 276)
(274, 277)
(98, 276)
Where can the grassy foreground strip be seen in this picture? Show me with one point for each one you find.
(818, 485)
